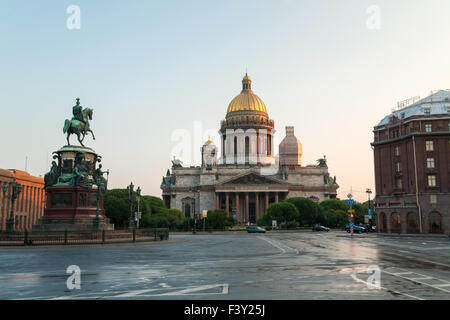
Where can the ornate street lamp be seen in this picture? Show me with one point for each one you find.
(369, 192)
(12, 195)
(138, 213)
(96, 219)
(130, 197)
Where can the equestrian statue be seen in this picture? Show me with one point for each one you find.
(79, 124)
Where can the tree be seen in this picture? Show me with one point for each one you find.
(282, 212)
(217, 219)
(154, 212)
(334, 204)
(335, 218)
(309, 212)
(117, 207)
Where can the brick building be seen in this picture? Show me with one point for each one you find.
(412, 167)
(29, 206)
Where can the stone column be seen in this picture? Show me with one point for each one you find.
(276, 197)
(403, 219)
(257, 147)
(267, 200)
(247, 213)
(257, 206)
(388, 222)
(217, 201)
(237, 206)
(227, 203)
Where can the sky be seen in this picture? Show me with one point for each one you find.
(154, 69)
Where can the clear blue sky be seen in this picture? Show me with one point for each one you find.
(149, 68)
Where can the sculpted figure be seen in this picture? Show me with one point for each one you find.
(51, 177)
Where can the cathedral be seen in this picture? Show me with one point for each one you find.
(247, 177)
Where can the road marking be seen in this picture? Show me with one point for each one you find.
(195, 290)
(273, 244)
(422, 277)
(401, 273)
(353, 275)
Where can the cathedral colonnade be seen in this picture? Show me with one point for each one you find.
(248, 206)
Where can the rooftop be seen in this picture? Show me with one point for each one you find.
(435, 104)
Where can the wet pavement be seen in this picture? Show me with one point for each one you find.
(302, 265)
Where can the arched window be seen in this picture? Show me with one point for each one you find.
(383, 222)
(412, 222)
(396, 223)
(187, 210)
(435, 222)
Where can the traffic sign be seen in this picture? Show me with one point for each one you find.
(370, 213)
(350, 201)
(234, 216)
(351, 210)
(352, 224)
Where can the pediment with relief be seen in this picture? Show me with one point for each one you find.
(253, 179)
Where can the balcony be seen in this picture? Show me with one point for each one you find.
(395, 205)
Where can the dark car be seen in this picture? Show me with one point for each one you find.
(256, 230)
(356, 229)
(368, 227)
(320, 228)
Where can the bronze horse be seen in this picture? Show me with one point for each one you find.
(79, 128)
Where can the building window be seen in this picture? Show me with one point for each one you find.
(427, 111)
(397, 151)
(430, 163)
(449, 127)
(433, 199)
(429, 146)
(398, 167)
(398, 183)
(428, 128)
(432, 181)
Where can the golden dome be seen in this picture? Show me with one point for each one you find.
(209, 142)
(247, 100)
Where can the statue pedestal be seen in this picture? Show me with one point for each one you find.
(73, 200)
(72, 209)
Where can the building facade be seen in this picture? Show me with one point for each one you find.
(247, 177)
(29, 206)
(412, 167)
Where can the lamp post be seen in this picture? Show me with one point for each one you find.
(130, 197)
(369, 192)
(138, 213)
(13, 194)
(96, 219)
(351, 211)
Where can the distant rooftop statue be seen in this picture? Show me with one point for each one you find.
(177, 163)
(322, 162)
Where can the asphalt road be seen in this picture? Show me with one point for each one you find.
(302, 265)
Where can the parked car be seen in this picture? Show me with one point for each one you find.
(256, 230)
(320, 228)
(368, 227)
(356, 229)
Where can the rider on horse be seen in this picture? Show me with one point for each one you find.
(77, 112)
